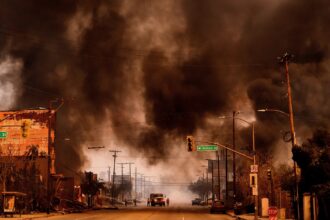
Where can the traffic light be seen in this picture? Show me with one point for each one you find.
(191, 144)
(25, 128)
(269, 174)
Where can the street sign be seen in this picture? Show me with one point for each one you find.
(3, 134)
(253, 179)
(254, 168)
(272, 213)
(207, 148)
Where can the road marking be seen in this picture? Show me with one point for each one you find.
(85, 217)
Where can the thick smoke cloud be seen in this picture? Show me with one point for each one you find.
(155, 71)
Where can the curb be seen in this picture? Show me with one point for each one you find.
(28, 217)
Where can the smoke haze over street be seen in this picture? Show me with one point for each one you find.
(140, 75)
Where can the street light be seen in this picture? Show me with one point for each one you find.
(273, 110)
(254, 159)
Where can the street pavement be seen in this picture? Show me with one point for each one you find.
(139, 213)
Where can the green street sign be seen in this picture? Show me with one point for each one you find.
(3, 134)
(207, 148)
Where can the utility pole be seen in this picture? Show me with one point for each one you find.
(212, 183)
(226, 174)
(141, 184)
(206, 192)
(122, 180)
(135, 183)
(109, 174)
(207, 183)
(207, 177)
(130, 179)
(144, 185)
(286, 59)
(234, 162)
(114, 174)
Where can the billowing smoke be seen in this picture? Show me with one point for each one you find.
(10, 82)
(151, 72)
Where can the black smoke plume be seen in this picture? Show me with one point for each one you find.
(176, 63)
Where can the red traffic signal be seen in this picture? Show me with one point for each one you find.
(25, 128)
(191, 144)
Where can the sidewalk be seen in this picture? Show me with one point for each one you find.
(30, 216)
(45, 215)
(249, 216)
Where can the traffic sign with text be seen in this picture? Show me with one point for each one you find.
(3, 134)
(254, 168)
(207, 148)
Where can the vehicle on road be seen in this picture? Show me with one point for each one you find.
(196, 201)
(218, 207)
(157, 199)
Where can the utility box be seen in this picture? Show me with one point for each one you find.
(282, 213)
(264, 207)
(307, 206)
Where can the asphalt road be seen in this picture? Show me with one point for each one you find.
(146, 213)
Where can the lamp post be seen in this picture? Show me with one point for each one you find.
(256, 201)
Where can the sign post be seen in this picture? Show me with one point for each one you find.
(3, 134)
(272, 213)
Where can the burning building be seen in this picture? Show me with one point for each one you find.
(27, 151)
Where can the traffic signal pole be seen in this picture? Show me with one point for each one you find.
(256, 199)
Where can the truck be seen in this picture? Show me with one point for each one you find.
(157, 199)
